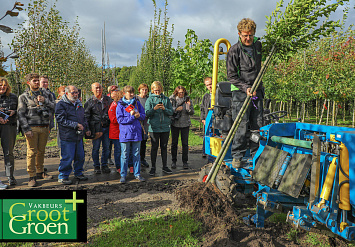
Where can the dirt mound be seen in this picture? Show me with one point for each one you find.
(212, 208)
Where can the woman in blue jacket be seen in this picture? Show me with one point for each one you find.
(129, 113)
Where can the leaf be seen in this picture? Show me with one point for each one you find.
(11, 13)
(19, 4)
(6, 29)
(3, 72)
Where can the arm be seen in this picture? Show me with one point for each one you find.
(21, 111)
(191, 110)
(168, 108)
(122, 117)
(61, 116)
(141, 111)
(233, 70)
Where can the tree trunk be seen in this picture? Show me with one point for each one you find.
(298, 110)
(321, 115)
(333, 113)
(354, 114)
(328, 103)
(303, 111)
(317, 110)
(290, 109)
(344, 114)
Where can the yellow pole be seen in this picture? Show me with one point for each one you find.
(328, 183)
(216, 54)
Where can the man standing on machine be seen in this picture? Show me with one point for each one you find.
(243, 66)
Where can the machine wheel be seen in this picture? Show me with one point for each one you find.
(224, 181)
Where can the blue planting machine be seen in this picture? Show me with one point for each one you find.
(304, 170)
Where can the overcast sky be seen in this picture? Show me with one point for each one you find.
(128, 22)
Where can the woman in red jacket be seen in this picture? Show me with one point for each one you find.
(114, 131)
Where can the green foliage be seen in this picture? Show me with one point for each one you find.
(154, 62)
(192, 63)
(293, 235)
(294, 28)
(174, 229)
(47, 44)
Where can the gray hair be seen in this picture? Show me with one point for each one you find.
(67, 88)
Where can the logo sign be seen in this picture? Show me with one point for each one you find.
(43, 215)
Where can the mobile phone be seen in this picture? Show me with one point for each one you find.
(160, 103)
(129, 108)
(187, 98)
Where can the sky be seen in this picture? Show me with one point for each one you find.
(127, 22)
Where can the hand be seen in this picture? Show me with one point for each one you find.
(29, 134)
(188, 104)
(137, 115)
(249, 94)
(2, 121)
(158, 106)
(80, 126)
(88, 133)
(204, 122)
(179, 108)
(132, 112)
(97, 135)
(12, 112)
(40, 98)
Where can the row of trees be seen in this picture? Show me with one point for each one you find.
(47, 44)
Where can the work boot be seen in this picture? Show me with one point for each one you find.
(43, 175)
(185, 165)
(236, 163)
(32, 182)
(105, 169)
(167, 170)
(97, 170)
(152, 171)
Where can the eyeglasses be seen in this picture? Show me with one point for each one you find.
(75, 92)
(246, 36)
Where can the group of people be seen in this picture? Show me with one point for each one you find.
(121, 119)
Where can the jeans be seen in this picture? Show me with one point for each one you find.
(125, 151)
(71, 151)
(36, 146)
(252, 120)
(105, 148)
(184, 141)
(163, 137)
(8, 138)
(116, 152)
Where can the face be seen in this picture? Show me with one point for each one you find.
(3, 87)
(43, 83)
(73, 94)
(96, 88)
(129, 95)
(247, 37)
(61, 93)
(156, 91)
(181, 93)
(143, 92)
(34, 84)
(208, 84)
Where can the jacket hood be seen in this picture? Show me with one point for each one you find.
(76, 103)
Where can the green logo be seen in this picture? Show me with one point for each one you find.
(46, 219)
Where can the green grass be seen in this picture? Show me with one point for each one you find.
(52, 143)
(313, 240)
(293, 235)
(276, 218)
(174, 229)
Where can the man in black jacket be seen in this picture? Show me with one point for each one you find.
(243, 66)
(96, 113)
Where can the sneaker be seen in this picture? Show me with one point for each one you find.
(152, 172)
(65, 181)
(105, 169)
(119, 170)
(204, 155)
(144, 163)
(131, 170)
(3, 186)
(43, 175)
(123, 180)
(167, 170)
(81, 177)
(32, 182)
(173, 165)
(12, 181)
(110, 162)
(140, 178)
(97, 170)
(185, 165)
